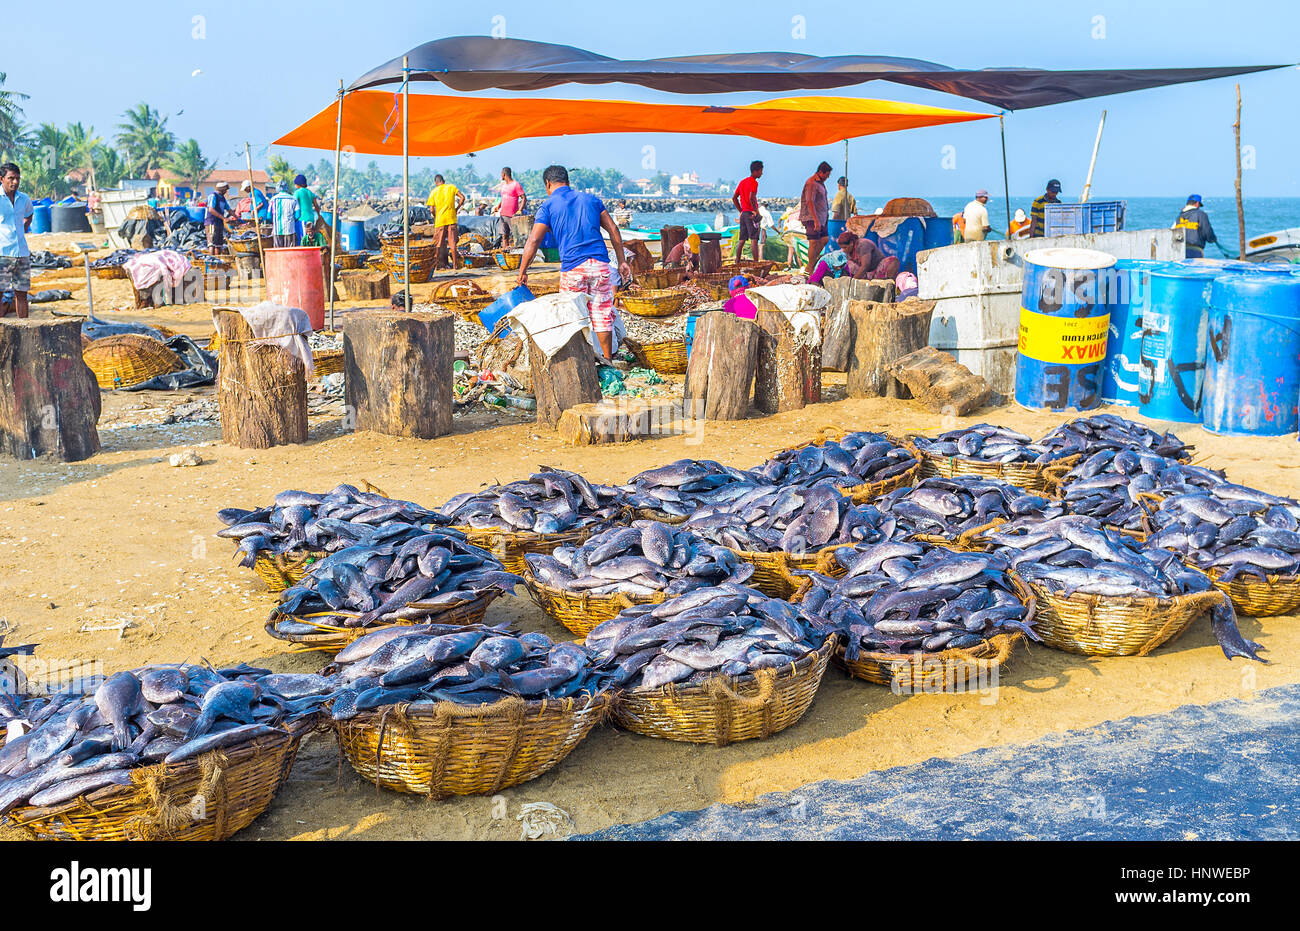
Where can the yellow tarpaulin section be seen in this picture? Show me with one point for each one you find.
(443, 125)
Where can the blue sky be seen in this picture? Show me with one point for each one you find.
(267, 66)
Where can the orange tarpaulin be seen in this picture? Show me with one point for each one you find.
(442, 125)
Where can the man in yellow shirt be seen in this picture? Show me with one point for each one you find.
(445, 200)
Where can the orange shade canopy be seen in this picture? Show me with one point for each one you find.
(445, 125)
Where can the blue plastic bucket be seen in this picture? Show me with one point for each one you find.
(41, 219)
(692, 317)
(1175, 315)
(507, 302)
(1119, 377)
(1252, 371)
(1064, 318)
(354, 235)
(196, 214)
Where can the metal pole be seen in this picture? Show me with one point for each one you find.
(1087, 185)
(406, 178)
(1006, 185)
(846, 159)
(252, 199)
(334, 239)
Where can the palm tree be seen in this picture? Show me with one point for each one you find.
(279, 169)
(109, 167)
(144, 138)
(12, 135)
(46, 161)
(83, 145)
(189, 164)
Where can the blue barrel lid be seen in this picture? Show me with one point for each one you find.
(1267, 295)
(1186, 270)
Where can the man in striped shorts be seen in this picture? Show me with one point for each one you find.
(576, 219)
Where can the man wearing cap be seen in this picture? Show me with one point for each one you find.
(1038, 212)
(308, 211)
(283, 208)
(975, 218)
(215, 219)
(255, 202)
(1195, 224)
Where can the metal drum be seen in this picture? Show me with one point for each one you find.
(1252, 372)
(1173, 342)
(1129, 283)
(1064, 317)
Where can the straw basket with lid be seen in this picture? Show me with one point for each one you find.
(126, 360)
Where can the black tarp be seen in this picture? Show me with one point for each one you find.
(473, 63)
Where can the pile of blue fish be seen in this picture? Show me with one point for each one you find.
(301, 520)
(725, 630)
(157, 714)
(988, 443)
(470, 665)
(1233, 529)
(1088, 435)
(790, 519)
(643, 559)
(682, 487)
(900, 597)
(949, 507)
(855, 459)
(551, 501)
(402, 575)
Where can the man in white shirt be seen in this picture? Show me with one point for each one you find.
(15, 256)
(975, 218)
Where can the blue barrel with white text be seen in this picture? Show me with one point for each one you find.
(1173, 341)
(1119, 376)
(1065, 308)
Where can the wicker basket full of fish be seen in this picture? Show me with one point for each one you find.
(167, 752)
(646, 563)
(1246, 540)
(716, 665)
(551, 508)
(461, 713)
(404, 575)
(957, 512)
(920, 618)
(993, 452)
(863, 465)
(653, 302)
(1102, 593)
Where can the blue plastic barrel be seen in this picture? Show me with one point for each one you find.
(197, 214)
(1064, 317)
(41, 219)
(354, 235)
(1175, 315)
(834, 228)
(692, 317)
(938, 233)
(507, 302)
(1119, 377)
(1252, 370)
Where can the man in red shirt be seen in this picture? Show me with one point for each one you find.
(814, 213)
(746, 201)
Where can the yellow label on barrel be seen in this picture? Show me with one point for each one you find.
(1063, 340)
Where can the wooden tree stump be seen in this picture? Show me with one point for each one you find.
(261, 389)
(642, 261)
(397, 371)
(669, 237)
(940, 382)
(788, 375)
(363, 286)
(720, 370)
(615, 421)
(879, 334)
(49, 400)
(565, 380)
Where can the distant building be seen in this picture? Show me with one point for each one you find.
(687, 184)
(232, 176)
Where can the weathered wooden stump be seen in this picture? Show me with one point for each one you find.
(615, 421)
(565, 380)
(879, 334)
(788, 375)
(720, 371)
(363, 285)
(642, 261)
(49, 400)
(940, 382)
(710, 253)
(669, 237)
(261, 389)
(837, 328)
(397, 371)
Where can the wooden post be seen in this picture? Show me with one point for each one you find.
(669, 237)
(1087, 185)
(879, 334)
(364, 286)
(710, 253)
(49, 400)
(397, 371)
(261, 389)
(788, 371)
(334, 213)
(565, 380)
(1241, 209)
(1006, 183)
(406, 184)
(724, 355)
(252, 201)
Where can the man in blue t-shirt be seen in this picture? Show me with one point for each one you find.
(576, 220)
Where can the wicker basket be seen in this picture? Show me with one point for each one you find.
(1256, 597)
(476, 259)
(1101, 625)
(667, 357)
(659, 279)
(121, 361)
(112, 271)
(284, 570)
(332, 638)
(968, 541)
(774, 572)
(1043, 478)
(507, 261)
(250, 244)
(870, 491)
(511, 546)
(724, 710)
(945, 670)
(230, 787)
(468, 308)
(444, 749)
(652, 303)
(757, 268)
(327, 361)
(580, 613)
(351, 260)
(423, 254)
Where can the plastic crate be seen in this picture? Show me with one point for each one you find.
(1102, 216)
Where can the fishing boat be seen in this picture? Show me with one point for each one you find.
(1280, 246)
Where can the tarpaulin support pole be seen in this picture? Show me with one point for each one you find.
(1087, 185)
(334, 213)
(406, 180)
(1006, 185)
(252, 206)
(846, 162)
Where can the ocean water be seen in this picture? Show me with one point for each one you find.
(1263, 214)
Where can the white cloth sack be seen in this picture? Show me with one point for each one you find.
(801, 304)
(288, 326)
(552, 319)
